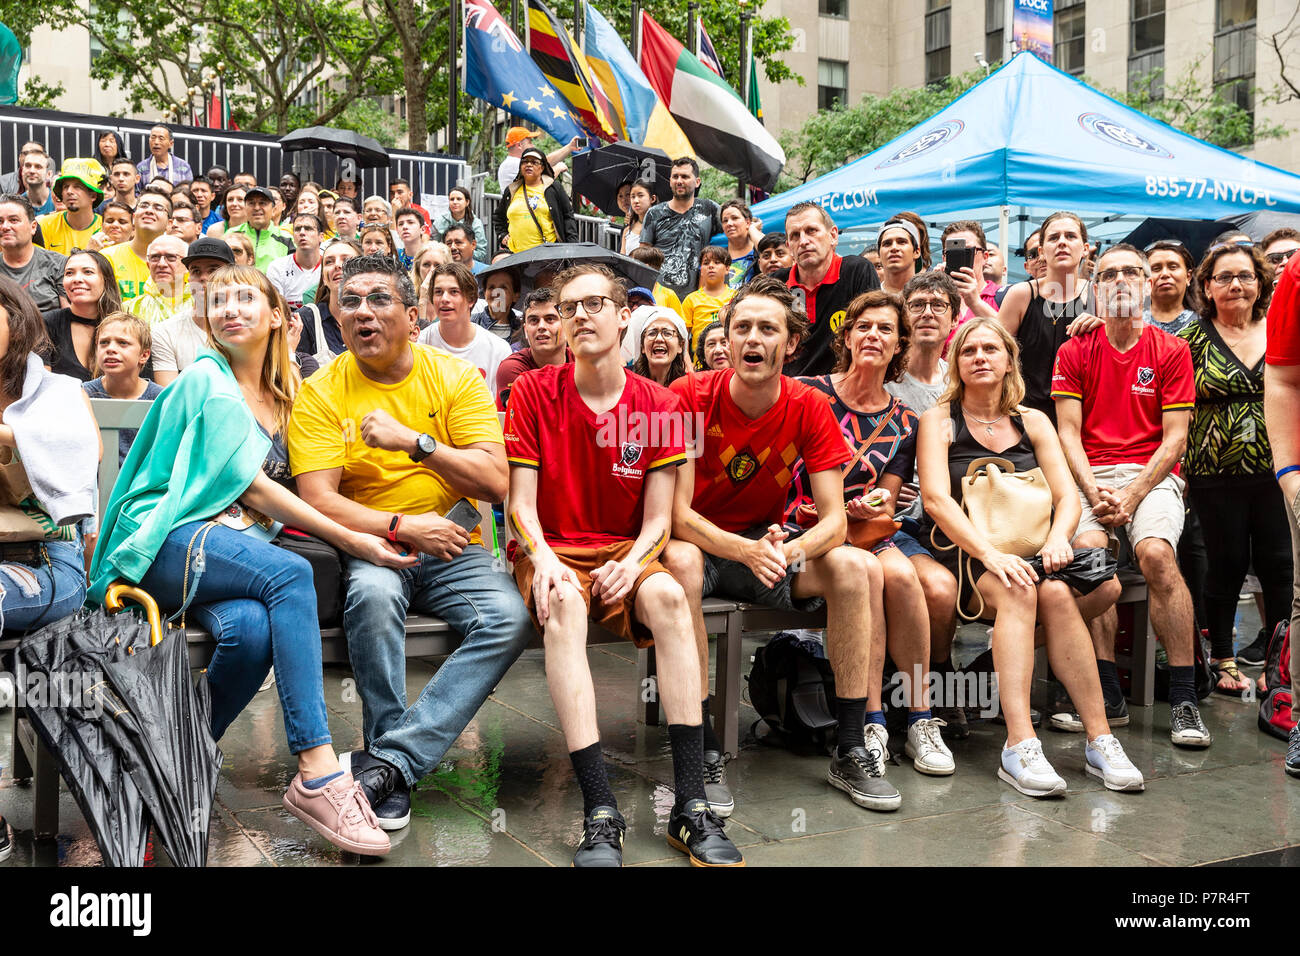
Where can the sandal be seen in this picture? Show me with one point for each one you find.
(1231, 681)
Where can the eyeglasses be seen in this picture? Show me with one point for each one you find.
(530, 161)
(665, 334)
(592, 305)
(937, 306)
(1031, 255)
(1245, 278)
(1278, 258)
(377, 300)
(1234, 244)
(1128, 272)
(163, 257)
(156, 207)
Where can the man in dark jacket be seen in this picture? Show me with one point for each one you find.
(541, 213)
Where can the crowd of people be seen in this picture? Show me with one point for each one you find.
(770, 421)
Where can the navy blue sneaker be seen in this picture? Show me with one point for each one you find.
(1293, 752)
(383, 785)
(602, 838)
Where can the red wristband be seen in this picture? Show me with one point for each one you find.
(393, 526)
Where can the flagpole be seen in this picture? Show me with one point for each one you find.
(453, 101)
(577, 25)
(634, 35)
(692, 27)
(745, 37)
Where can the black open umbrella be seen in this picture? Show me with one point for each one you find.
(598, 173)
(135, 744)
(551, 257)
(344, 143)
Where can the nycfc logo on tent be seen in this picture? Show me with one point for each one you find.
(1118, 135)
(927, 141)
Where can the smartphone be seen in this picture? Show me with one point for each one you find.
(582, 142)
(957, 255)
(464, 513)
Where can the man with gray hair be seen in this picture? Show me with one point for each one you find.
(823, 281)
(167, 289)
(386, 439)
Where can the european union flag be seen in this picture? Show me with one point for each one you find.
(499, 70)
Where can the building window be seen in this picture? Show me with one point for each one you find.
(1146, 46)
(1068, 42)
(938, 40)
(994, 24)
(832, 83)
(1234, 52)
(833, 8)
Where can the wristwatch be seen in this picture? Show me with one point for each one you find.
(424, 445)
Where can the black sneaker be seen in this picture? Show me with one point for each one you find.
(715, 784)
(1186, 728)
(1035, 718)
(7, 837)
(955, 717)
(1072, 723)
(602, 838)
(1254, 653)
(383, 785)
(860, 774)
(697, 832)
(1292, 754)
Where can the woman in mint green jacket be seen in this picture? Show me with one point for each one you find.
(190, 520)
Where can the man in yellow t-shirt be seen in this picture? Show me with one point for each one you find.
(152, 214)
(385, 439)
(80, 186)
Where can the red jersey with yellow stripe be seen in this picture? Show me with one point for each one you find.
(1125, 394)
(746, 465)
(591, 468)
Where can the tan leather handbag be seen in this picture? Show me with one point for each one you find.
(1011, 510)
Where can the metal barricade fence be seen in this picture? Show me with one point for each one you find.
(69, 135)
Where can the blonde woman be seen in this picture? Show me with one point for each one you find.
(981, 416)
(207, 475)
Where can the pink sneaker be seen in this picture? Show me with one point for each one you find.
(339, 812)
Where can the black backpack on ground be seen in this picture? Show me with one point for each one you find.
(792, 688)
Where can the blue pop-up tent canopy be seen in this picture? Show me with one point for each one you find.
(1031, 135)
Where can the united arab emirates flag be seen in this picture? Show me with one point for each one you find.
(712, 116)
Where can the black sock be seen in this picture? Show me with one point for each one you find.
(711, 741)
(852, 714)
(1182, 685)
(589, 765)
(1111, 692)
(688, 762)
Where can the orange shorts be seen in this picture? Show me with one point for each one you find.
(617, 618)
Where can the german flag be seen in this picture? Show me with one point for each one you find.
(558, 57)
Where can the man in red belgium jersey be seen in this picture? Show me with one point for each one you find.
(593, 454)
(1124, 395)
(753, 425)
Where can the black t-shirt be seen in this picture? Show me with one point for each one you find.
(1041, 334)
(825, 307)
(681, 237)
(64, 361)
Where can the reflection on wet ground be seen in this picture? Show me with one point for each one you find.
(505, 794)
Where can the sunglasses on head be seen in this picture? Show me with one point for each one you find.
(1159, 244)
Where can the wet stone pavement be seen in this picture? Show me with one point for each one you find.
(505, 795)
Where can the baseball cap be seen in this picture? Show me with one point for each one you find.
(259, 191)
(205, 247)
(518, 134)
(88, 172)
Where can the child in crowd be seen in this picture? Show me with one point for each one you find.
(116, 226)
(701, 306)
(121, 353)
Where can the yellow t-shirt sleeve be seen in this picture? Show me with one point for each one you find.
(472, 415)
(316, 440)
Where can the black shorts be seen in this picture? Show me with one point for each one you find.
(732, 579)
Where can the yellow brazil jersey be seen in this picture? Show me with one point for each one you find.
(523, 229)
(132, 272)
(442, 396)
(700, 308)
(62, 238)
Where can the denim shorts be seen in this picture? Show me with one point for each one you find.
(733, 579)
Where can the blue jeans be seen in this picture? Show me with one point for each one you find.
(259, 603)
(478, 601)
(62, 589)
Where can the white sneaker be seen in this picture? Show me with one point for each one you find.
(1106, 759)
(877, 742)
(269, 682)
(925, 746)
(1026, 769)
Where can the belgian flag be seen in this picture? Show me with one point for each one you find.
(555, 53)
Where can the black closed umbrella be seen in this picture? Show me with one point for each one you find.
(598, 173)
(344, 143)
(551, 257)
(138, 748)
(1195, 234)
